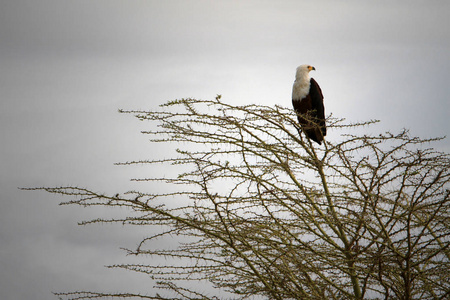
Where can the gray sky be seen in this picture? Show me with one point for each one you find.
(67, 66)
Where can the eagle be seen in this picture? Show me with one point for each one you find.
(307, 99)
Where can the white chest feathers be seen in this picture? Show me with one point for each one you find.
(301, 87)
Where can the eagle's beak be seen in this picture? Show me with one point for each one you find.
(313, 69)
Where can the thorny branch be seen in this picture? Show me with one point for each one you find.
(269, 214)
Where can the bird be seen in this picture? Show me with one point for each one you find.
(307, 100)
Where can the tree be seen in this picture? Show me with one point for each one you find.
(265, 212)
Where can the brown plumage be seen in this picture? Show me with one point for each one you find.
(307, 99)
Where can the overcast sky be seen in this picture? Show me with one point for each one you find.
(67, 66)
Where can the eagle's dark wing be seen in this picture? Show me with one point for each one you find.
(317, 104)
(311, 113)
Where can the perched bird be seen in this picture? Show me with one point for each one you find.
(307, 100)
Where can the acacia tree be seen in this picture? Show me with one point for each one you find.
(267, 213)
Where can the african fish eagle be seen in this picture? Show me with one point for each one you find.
(307, 100)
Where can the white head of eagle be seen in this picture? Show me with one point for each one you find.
(307, 99)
